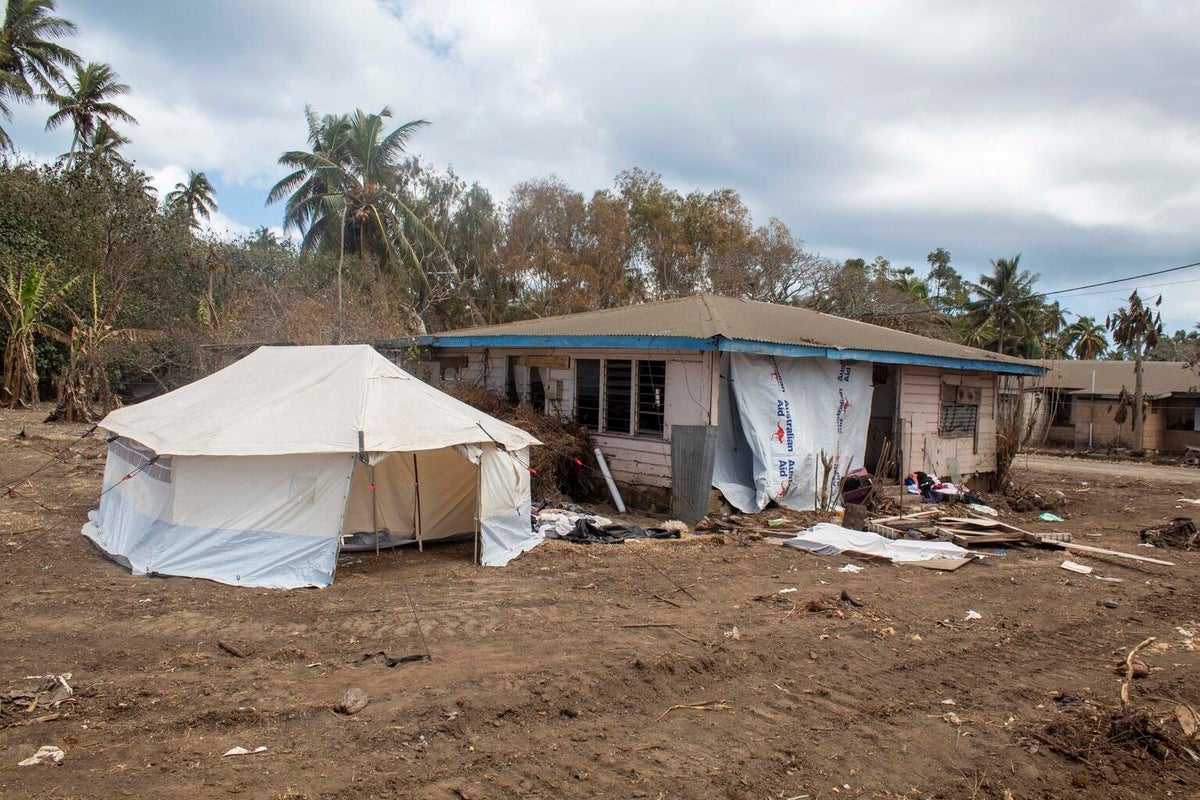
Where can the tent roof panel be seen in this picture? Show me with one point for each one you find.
(283, 400)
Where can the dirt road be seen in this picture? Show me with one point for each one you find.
(1083, 466)
(584, 671)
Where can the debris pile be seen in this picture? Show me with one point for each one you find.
(47, 694)
(1023, 499)
(562, 463)
(1179, 533)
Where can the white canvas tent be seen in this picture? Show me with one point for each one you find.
(252, 475)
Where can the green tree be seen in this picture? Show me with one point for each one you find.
(911, 285)
(192, 199)
(1051, 321)
(942, 277)
(344, 195)
(1180, 346)
(105, 145)
(31, 62)
(26, 295)
(1085, 339)
(1006, 312)
(663, 225)
(1135, 329)
(87, 103)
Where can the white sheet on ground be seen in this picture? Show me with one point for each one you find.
(827, 539)
(785, 412)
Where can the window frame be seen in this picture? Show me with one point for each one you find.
(638, 414)
(957, 428)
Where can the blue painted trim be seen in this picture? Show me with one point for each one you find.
(772, 348)
(627, 342)
(634, 342)
(883, 357)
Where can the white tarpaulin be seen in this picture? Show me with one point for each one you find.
(777, 415)
(829, 540)
(251, 475)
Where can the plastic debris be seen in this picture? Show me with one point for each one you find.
(734, 634)
(850, 568)
(46, 754)
(972, 614)
(242, 751)
(1046, 516)
(49, 692)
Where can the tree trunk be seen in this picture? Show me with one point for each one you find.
(1139, 421)
(20, 386)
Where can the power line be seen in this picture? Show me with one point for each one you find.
(1125, 280)
(974, 305)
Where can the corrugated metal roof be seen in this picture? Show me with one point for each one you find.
(706, 316)
(1159, 378)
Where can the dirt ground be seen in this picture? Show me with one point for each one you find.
(584, 671)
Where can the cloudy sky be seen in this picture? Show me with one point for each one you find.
(1068, 132)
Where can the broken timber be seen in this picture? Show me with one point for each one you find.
(1034, 538)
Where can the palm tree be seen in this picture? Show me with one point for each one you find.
(86, 103)
(344, 194)
(1006, 303)
(912, 286)
(104, 146)
(1135, 330)
(30, 61)
(1051, 319)
(192, 200)
(1085, 339)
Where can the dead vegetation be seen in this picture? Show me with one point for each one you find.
(561, 466)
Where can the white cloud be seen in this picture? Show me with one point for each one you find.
(1064, 131)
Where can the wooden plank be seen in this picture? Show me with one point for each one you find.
(948, 531)
(933, 512)
(993, 538)
(552, 362)
(943, 564)
(976, 521)
(1084, 548)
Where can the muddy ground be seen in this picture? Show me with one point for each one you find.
(585, 671)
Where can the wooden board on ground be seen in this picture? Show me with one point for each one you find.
(986, 539)
(1034, 538)
(896, 526)
(943, 564)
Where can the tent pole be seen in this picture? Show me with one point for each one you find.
(374, 507)
(417, 493)
(478, 501)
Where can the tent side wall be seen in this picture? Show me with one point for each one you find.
(270, 521)
(504, 505)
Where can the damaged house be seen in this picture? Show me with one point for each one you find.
(746, 397)
(1089, 404)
